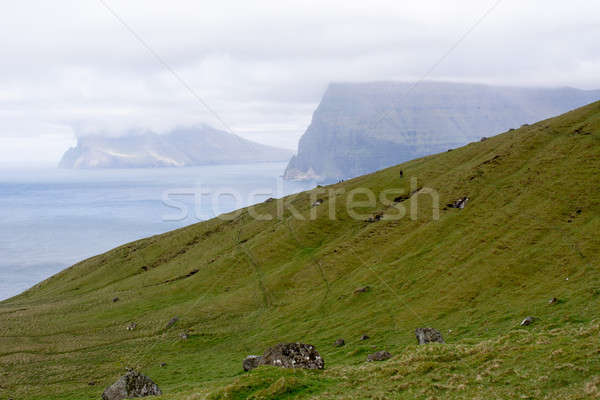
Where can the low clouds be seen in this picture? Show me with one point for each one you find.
(70, 68)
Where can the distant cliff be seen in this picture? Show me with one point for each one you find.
(360, 128)
(182, 147)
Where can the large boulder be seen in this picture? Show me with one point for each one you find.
(251, 362)
(428, 335)
(131, 385)
(293, 355)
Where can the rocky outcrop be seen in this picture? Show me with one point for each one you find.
(131, 385)
(182, 147)
(363, 127)
(293, 355)
(428, 335)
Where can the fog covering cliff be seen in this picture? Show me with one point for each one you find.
(362, 127)
(201, 145)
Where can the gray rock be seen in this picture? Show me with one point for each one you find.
(293, 355)
(251, 362)
(131, 385)
(376, 217)
(379, 356)
(428, 335)
(460, 203)
(339, 343)
(527, 321)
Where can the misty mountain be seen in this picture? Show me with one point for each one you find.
(363, 127)
(201, 145)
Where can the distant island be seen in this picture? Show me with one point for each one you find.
(201, 145)
(360, 128)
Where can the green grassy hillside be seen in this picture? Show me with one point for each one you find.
(528, 234)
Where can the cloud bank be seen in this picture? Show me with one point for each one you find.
(71, 68)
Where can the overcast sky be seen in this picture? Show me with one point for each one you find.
(69, 68)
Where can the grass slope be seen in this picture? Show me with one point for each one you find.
(529, 233)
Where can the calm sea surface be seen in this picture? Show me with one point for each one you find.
(52, 218)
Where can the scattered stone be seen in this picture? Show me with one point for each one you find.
(172, 322)
(317, 203)
(428, 335)
(115, 299)
(251, 362)
(362, 289)
(131, 326)
(553, 300)
(293, 355)
(131, 385)
(400, 199)
(339, 343)
(580, 131)
(460, 203)
(527, 321)
(379, 356)
(376, 217)
(365, 337)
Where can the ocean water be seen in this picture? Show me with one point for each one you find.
(52, 218)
